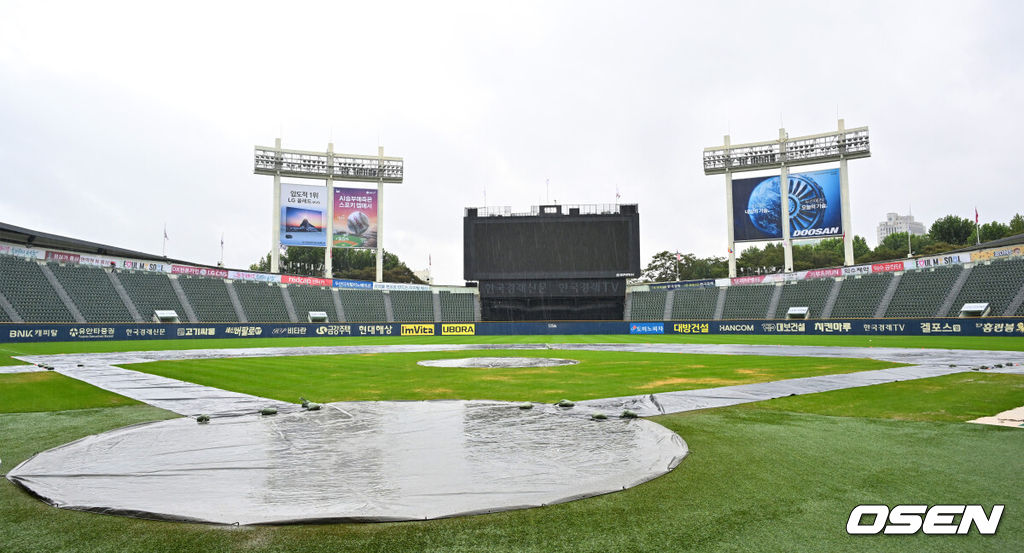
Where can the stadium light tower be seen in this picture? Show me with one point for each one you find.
(840, 145)
(330, 167)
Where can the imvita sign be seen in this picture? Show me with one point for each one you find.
(934, 520)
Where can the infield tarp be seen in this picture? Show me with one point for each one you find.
(352, 462)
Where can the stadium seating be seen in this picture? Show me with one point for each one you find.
(920, 293)
(859, 296)
(413, 305)
(695, 303)
(150, 292)
(805, 293)
(312, 298)
(23, 284)
(747, 302)
(457, 307)
(262, 302)
(995, 284)
(209, 299)
(363, 306)
(92, 293)
(648, 305)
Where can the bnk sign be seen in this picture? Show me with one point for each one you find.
(934, 520)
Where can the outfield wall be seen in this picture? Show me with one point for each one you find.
(73, 332)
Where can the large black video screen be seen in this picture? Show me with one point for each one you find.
(551, 247)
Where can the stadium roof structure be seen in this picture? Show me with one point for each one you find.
(37, 239)
(1014, 240)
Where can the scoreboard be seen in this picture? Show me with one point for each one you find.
(557, 242)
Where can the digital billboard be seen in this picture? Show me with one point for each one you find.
(815, 210)
(303, 215)
(355, 218)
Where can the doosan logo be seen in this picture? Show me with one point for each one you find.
(934, 520)
(816, 231)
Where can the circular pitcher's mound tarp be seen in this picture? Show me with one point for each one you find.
(358, 461)
(498, 362)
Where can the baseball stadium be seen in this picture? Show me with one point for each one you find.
(552, 403)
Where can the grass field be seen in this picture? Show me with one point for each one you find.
(780, 475)
(367, 377)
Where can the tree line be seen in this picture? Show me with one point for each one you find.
(945, 234)
(348, 263)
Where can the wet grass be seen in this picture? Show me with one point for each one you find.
(49, 391)
(760, 477)
(397, 376)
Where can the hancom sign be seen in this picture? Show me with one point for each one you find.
(815, 209)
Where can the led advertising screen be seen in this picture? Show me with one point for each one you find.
(355, 218)
(303, 215)
(815, 210)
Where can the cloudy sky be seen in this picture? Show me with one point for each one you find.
(118, 117)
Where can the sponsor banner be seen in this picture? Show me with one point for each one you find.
(417, 330)
(683, 284)
(311, 281)
(647, 328)
(813, 203)
(27, 252)
(890, 267)
(359, 284)
(198, 271)
(97, 261)
(723, 282)
(937, 261)
(757, 279)
(5, 249)
(998, 253)
(355, 218)
(857, 270)
(458, 329)
(145, 266)
(62, 257)
(241, 275)
(265, 277)
(399, 286)
(824, 273)
(303, 215)
(73, 332)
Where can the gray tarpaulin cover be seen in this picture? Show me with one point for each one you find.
(360, 461)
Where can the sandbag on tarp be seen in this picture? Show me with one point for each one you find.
(359, 461)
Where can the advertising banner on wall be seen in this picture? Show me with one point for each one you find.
(303, 215)
(815, 210)
(355, 218)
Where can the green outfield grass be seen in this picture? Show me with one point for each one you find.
(364, 377)
(781, 475)
(49, 391)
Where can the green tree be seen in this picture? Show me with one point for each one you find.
(356, 264)
(951, 229)
(897, 242)
(1017, 225)
(665, 267)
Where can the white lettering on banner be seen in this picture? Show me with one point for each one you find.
(937, 520)
(825, 231)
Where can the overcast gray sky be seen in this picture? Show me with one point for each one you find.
(117, 117)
